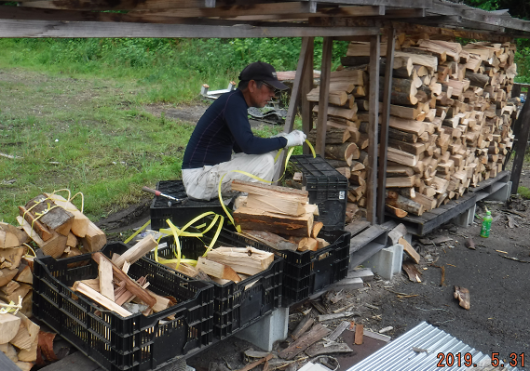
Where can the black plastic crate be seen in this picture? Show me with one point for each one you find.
(179, 214)
(137, 342)
(236, 305)
(305, 272)
(327, 188)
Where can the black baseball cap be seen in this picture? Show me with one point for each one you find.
(261, 71)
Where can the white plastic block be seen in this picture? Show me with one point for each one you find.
(386, 262)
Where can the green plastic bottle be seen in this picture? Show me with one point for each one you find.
(486, 225)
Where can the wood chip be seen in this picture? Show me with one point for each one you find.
(413, 272)
(386, 329)
(328, 317)
(462, 294)
(470, 244)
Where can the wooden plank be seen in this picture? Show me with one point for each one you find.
(39, 29)
(233, 11)
(410, 250)
(106, 287)
(357, 227)
(371, 178)
(130, 284)
(385, 118)
(307, 86)
(317, 333)
(100, 299)
(363, 238)
(520, 146)
(115, 5)
(324, 96)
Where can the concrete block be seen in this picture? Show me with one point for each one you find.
(365, 274)
(502, 194)
(386, 262)
(348, 283)
(466, 218)
(267, 330)
(398, 258)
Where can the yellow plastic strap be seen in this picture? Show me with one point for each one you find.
(177, 243)
(138, 231)
(214, 239)
(30, 249)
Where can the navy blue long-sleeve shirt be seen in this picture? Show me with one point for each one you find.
(224, 128)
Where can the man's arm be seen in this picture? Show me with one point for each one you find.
(236, 118)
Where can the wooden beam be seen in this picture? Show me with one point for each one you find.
(307, 86)
(479, 15)
(295, 96)
(521, 145)
(234, 10)
(371, 178)
(38, 29)
(323, 100)
(114, 4)
(478, 35)
(385, 119)
(391, 3)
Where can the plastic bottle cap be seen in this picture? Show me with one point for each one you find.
(488, 212)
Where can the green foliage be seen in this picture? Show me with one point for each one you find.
(484, 4)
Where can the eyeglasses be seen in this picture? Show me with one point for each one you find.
(271, 88)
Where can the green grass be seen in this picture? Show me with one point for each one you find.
(524, 192)
(79, 135)
(75, 110)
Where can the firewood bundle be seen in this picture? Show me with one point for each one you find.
(58, 228)
(450, 123)
(279, 217)
(113, 289)
(18, 334)
(224, 264)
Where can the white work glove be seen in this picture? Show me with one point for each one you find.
(295, 138)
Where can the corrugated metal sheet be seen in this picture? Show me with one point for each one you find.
(398, 355)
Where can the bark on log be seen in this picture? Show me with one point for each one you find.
(343, 152)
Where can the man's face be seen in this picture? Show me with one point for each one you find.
(262, 95)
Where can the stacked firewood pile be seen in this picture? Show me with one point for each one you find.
(450, 123)
(18, 334)
(278, 217)
(58, 228)
(347, 135)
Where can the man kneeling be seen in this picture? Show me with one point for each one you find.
(224, 128)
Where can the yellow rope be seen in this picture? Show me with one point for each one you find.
(289, 153)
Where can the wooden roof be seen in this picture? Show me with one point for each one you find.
(252, 18)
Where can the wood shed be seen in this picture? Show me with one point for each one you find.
(427, 103)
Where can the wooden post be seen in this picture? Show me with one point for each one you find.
(371, 178)
(383, 143)
(522, 143)
(516, 90)
(307, 86)
(324, 96)
(293, 102)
